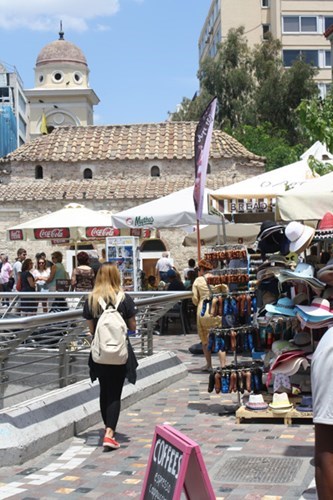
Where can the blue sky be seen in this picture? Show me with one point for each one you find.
(142, 54)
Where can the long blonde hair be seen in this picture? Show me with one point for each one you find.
(107, 286)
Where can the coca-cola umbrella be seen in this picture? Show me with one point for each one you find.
(73, 223)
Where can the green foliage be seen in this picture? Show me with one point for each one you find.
(316, 116)
(263, 140)
(257, 97)
(319, 167)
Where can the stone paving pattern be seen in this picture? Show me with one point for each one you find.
(79, 468)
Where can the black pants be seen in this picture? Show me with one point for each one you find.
(111, 385)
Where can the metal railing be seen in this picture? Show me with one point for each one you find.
(40, 352)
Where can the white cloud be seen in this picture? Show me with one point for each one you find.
(102, 27)
(41, 15)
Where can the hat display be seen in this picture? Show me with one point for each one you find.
(299, 235)
(326, 222)
(305, 272)
(280, 403)
(271, 238)
(284, 306)
(205, 264)
(319, 307)
(325, 274)
(256, 402)
(305, 404)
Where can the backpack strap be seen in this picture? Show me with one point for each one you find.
(104, 305)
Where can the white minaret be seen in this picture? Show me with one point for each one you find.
(61, 94)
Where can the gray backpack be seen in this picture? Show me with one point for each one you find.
(109, 345)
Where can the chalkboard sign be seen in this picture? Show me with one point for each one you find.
(175, 464)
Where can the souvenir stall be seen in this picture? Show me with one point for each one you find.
(278, 322)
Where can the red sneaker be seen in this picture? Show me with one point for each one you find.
(110, 443)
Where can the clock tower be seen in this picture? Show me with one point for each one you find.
(61, 95)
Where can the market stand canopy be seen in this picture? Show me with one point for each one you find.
(307, 202)
(254, 199)
(234, 234)
(173, 210)
(74, 222)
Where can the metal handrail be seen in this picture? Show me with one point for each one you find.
(48, 350)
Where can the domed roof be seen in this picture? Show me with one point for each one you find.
(61, 51)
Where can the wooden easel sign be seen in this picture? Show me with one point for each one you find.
(175, 465)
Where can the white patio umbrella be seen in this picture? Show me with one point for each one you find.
(308, 202)
(171, 211)
(73, 223)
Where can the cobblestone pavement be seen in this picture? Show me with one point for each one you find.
(251, 461)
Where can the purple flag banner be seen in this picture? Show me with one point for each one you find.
(203, 136)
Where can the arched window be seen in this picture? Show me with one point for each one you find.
(39, 172)
(209, 169)
(155, 171)
(87, 173)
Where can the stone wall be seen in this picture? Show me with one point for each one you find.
(24, 171)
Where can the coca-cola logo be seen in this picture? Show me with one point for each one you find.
(101, 232)
(135, 232)
(146, 233)
(16, 234)
(51, 234)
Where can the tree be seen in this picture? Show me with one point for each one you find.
(229, 77)
(316, 116)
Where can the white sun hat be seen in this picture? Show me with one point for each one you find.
(299, 235)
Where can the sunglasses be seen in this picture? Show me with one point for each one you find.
(42, 262)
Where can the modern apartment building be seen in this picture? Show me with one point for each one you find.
(13, 110)
(298, 24)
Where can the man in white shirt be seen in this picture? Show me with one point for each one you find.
(21, 256)
(162, 267)
(322, 397)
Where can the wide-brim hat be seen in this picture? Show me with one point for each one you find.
(302, 340)
(256, 402)
(319, 307)
(272, 239)
(280, 346)
(299, 236)
(291, 366)
(325, 274)
(304, 272)
(284, 307)
(305, 404)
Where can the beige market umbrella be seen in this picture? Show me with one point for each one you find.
(308, 202)
(244, 234)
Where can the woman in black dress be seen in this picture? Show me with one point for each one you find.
(111, 377)
(29, 305)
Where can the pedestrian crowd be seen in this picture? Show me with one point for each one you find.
(43, 275)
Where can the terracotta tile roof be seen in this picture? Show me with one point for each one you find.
(167, 140)
(117, 189)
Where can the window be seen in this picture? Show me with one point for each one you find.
(299, 24)
(265, 3)
(57, 77)
(78, 77)
(265, 31)
(155, 171)
(309, 56)
(209, 169)
(87, 173)
(327, 59)
(328, 22)
(39, 172)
